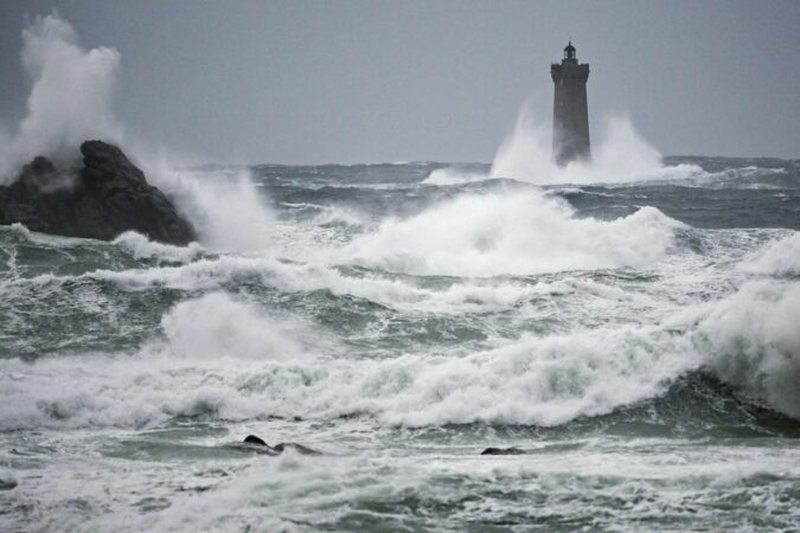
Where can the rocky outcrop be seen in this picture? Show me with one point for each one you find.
(258, 444)
(106, 197)
(503, 451)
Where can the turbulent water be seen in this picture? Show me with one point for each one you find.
(639, 341)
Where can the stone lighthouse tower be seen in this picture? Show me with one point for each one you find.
(570, 112)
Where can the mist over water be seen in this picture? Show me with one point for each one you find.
(619, 155)
(634, 333)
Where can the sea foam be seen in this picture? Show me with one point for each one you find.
(780, 258)
(511, 233)
(223, 357)
(751, 339)
(217, 326)
(544, 381)
(143, 248)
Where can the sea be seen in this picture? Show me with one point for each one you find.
(630, 348)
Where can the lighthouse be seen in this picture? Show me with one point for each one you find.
(570, 112)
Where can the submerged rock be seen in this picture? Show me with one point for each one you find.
(105, 198)
(7, 483)
(263, 447)
(252, 439)
(503, 451)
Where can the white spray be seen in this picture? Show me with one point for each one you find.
(511, 232)
(620, 154)
(223, 204)
(70, 99)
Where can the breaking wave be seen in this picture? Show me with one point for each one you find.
(222, 357)
(781, 258)
(511, 233)
(244, 373)
(140, 247)
(752, 340)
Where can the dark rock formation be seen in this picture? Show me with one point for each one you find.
(106, 197)
(260, 445)
(503, 451)
(252, 439)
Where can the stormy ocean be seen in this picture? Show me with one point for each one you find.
(637, 341)
(623, 334)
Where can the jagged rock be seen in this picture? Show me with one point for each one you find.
(259, 444)
(106, 197)
(503, 451)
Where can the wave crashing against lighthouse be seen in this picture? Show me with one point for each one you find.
(570, 112)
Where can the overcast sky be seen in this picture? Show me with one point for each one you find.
(346, 81)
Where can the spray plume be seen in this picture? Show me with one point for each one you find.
(71, 101)
(70, 98)
(621, 155)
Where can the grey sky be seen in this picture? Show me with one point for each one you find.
(341, 81)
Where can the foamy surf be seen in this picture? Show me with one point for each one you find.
(511, 233)
(620, 336)
(401, 343)
(225, 359)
